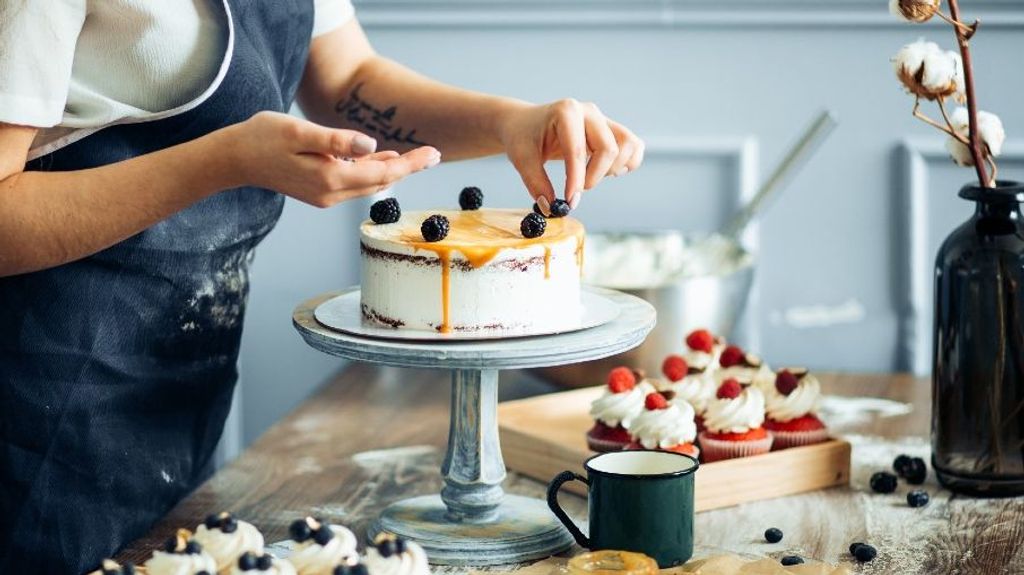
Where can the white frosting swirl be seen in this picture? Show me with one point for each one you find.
(664, 428)
(278, 567)
(163, 563)
(803, 400)
(227, 547)
(761, 377)
(613, 409)
(738, 415)
(697, 389)
(702, 360)
(311, 558)
(411, 562)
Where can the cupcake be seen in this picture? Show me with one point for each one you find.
(734, 363)
(614, 411)
(181, 555)
(704, 348)
(319, 547)
(665, 426)
(390, 555)
(791, 409)
(691, 382)
(111, 567)
(734, 423)
(250, 563)
(226, 539)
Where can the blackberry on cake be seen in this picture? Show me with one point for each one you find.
(533, 226)
(435, 228)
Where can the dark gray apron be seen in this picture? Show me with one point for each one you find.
(117, 370)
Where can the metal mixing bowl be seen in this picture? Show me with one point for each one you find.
(690, 289)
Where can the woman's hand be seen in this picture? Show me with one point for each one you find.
(591, 145)
(318, 165)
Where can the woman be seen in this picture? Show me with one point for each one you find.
(144, 151)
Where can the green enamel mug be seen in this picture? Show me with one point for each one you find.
(639, 501)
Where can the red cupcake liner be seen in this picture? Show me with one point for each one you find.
(786, 439)
(605, 445)
(719, 450)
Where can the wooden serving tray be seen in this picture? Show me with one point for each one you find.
(545, 435)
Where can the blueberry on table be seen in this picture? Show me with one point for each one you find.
(559, 209)
(471, 198)
(883, 482)
(916, 471)
(899, 465)
(917, 498)
(792, 560)
(435, 228)
(854, 546)
(533, 226)
(385, 211)
(773, 535)
(864, 552)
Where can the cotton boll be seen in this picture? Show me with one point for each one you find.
(990, 129)
(914, 10)
(929, 72)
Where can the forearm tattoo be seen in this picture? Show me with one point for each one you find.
(375, 121)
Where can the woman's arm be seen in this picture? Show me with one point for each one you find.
(347, 85)
(50, 218)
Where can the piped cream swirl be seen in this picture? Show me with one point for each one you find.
(806, 398)
(163, 563)
(311, 558)
(613, 409)
(227, 547)
(413, 561)
(761, 377)
(664, 428)
(698, 389)
(737, 415)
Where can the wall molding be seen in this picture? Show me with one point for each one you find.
(918, 260)
(771, 14)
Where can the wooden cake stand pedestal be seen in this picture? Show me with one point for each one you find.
(472, 521)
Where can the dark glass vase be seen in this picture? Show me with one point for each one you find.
(978, 362)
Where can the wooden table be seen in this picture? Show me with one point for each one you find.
(374, 435)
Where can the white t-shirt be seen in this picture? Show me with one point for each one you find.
(72, 67)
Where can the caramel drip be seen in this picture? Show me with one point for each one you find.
(579, 252)
(547, 262)
(446, 283)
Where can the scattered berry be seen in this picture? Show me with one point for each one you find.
(559, 209)
(621, 379)
(863, 552)
(435, 228)
(915, 471)
(730, 389)
(323, 535)
(385, 211)
(917, 498)
(299, 530)
(792, 560)
(655, 401)
(883, 482)
(533, 226)
(247, 561)
(731, 356)
(701, 340)
(786, 382)
(900, 464)
(674, 367)
(471, 198)
(193, 548)
(773, 535)
(265, 562)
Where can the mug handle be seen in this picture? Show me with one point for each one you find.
(553, 487)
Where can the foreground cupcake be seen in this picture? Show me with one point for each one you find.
(181, 555)
(318, 547)
(665, 426)
(792, 407)
(734, 363)
(692, 383)
(734, 423)
(250, 563)
(614, 411)
(390, 555)
(227, 538)
(111, 567)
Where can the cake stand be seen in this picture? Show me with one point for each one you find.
(472, 521)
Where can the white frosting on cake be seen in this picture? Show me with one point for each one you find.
(485, 274)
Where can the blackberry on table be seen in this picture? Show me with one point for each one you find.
(864, 552)
(435, 228)
(385, 211)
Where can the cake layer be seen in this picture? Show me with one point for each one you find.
(483, 275)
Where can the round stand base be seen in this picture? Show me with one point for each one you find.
(975, 486)
(524, 530)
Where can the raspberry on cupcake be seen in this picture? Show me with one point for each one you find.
(734, 423)
(735, 363)
(665, 425)
(703, 349)
(792, 406)
(690, 382)
(615, 410)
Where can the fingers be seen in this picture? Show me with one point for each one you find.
(314, 138)
(629, 145)
(572, 140)
(602, 143)
(381, 173)
(531, 169)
